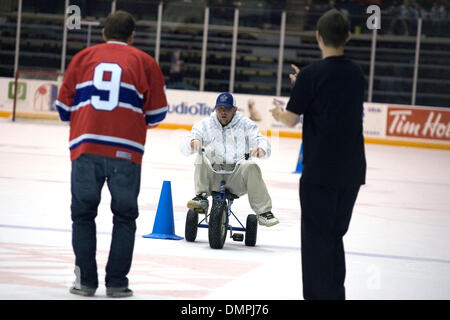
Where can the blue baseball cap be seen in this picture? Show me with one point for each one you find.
(226, 100)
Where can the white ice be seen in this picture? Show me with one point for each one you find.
(397, 246)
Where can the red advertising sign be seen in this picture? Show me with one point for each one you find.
(423, 123)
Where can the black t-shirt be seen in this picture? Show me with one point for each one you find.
(330, 94)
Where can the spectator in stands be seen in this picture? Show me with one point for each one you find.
(398, 25)
(409, 14)
(421, 11)
(176, 71)
(438, 17)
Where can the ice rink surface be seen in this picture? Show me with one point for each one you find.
(397, 246)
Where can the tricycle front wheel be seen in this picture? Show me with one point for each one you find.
(217, 226)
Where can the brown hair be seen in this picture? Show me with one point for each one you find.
(333, 27)
(119, 26)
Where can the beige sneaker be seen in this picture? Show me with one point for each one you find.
(199, 203)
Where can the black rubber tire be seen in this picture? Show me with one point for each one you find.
(190, 230)
(217, 228)
(251, 229)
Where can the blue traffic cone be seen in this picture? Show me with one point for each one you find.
(164, 226)
(299, 167)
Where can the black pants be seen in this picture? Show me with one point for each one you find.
(89, 173)
(326, 214)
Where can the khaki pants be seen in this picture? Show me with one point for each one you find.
(247, 179)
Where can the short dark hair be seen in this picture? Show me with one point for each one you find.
(119, 26)
(333, 27)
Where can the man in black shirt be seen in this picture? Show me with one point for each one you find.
(329, 93)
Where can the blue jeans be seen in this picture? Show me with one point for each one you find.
(123, 177)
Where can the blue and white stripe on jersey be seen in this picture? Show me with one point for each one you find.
(154, 117)
(107, 140)
(129, 98)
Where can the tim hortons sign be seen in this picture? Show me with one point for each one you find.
(422, 123)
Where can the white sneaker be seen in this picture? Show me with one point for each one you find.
(267, 219)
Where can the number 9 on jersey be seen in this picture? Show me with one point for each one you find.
(107, 77)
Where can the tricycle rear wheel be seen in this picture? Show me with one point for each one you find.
(251, 229)
(190, 230)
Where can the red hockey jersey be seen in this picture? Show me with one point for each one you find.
(111, 92)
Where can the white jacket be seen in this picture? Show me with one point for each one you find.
(229, 143)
